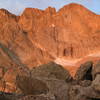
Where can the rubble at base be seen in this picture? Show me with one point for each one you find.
(52, 82)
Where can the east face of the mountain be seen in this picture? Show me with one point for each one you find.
(39, 36)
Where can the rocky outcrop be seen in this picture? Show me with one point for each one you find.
(39, 36)
(48, 79)
(90, 89)
(51, 70)
(85, 71)
(42, 87)
(31, 86)
(96, 76)
(96, 83)
(96, 69)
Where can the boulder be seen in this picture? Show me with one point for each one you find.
(96, 83)
(31, 86)
(90, 93)
(83, 93)
(96, 69)
(38, 86)
(84, 72)
(85, 83)
(75, 94)
(51, 70)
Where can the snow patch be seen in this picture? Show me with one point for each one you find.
(66, 62)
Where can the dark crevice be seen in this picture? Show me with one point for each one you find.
(64, 52)
(88, 75)
(25, 32)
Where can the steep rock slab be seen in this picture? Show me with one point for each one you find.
(40, 36)
(64, 33)
(51, 70)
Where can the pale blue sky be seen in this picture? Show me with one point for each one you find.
(17, 6)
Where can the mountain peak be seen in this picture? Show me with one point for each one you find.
(4, 11)
(73, 7)
(36, 11)
(32, 11)
(50, 10)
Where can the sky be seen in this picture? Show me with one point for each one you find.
(17, 6)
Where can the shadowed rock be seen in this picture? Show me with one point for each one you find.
(58, 88)
(31, 86)
(96, 77)
(84, 72)
(46, 79)
(10, 96)
(96, 83)
(85, 83)
(83, 93)
(44, 83)
(51, 70)
(41, 97)
(96, 69)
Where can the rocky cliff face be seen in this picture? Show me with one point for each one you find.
(52, 82)
(64, 33)
(68, 37)
(39, 36)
